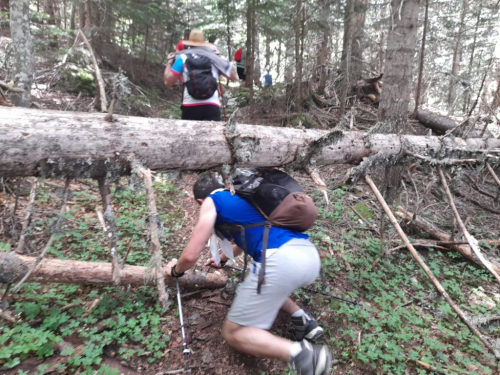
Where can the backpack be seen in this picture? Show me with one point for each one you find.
(279, 198)
(237, 55)
(200, 83)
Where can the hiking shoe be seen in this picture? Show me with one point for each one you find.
(305, 327)
(312, 360)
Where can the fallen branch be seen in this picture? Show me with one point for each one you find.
(420, 223)
(27, 218)
(95, 273)
(111, 229)
(472, 241)
(492, 172)
(55, 233)
(426, 269)
(154, 223)
(317, 181)
(100, 82)
(478, 203)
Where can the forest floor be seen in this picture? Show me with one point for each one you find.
(402, 325)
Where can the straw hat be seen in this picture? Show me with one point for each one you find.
(196, 39)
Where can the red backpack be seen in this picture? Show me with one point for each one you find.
(237, 55)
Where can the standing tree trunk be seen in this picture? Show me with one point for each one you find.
(228, 29)
(83, 14)
(268, 49)
(471, 60)
(298, 61)
(358, 25)
(51, 7)
(421, 62)
(346, 56)
(455, 66)
(249, 59)
(72, 18)
(393, 109)
(278, 70)
(256, 52)
(23, 51)
(323, 52)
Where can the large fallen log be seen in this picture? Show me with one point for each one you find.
(14, 266)
(425, 226)
(73, 144)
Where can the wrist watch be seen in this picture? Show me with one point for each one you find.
(173, 273)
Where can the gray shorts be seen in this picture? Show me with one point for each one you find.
(293, 265)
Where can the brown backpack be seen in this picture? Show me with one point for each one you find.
(279, 198)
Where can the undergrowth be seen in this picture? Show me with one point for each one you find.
(402, 320)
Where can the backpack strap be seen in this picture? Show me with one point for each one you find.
(235, 228)
(262, 272)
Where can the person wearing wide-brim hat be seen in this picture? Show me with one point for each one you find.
(201, 101)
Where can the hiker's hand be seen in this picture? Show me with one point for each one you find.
(171, 56)
(168, 268)
(211, 263)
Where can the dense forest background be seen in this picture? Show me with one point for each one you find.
(452, 58)
(414, 85)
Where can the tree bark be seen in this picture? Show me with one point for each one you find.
(298, 62)
(455, 65)
(421, 60)
(346, 56)
(70, 144)
(13, 267)
(393, 109)
(23, 51)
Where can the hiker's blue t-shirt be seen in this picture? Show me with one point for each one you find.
(232, 209)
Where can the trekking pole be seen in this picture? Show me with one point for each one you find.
(308, 289)
(185, 340)
(222, 101)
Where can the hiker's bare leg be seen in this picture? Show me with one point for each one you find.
(290, 307)
(255, 341)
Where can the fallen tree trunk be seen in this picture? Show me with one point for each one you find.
(440, 124)
(438, 234)
(13, 267)
(73, 144)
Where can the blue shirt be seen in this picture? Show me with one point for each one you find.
(268, 79)
(232, 209)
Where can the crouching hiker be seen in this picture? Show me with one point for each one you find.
(198, 66)
(290, 261)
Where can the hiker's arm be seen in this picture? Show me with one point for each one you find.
(201, 234)
(233, 76)
(171, 76)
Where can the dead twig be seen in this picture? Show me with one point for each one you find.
(433, 231)
(100, 82)
(55, 233)
(27, 218)
(426, 269)
(111, 229)
(472, 241)
(492, 172)
(317, 181)
(109, 116)
(154, 223)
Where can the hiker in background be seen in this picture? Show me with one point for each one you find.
(292, 261)
(239, 57)
(211, 40)
(199, 68)
(268, 78)
(180, 45)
